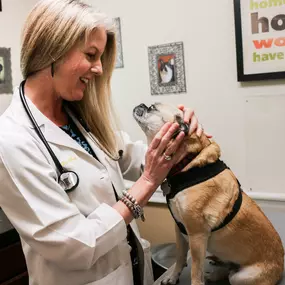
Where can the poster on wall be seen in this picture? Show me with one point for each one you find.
(0, 5)
(260, 40)
(120, 59)
(5, 71)
(166, 69)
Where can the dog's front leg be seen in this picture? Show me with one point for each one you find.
(182, 248)
(198, 247)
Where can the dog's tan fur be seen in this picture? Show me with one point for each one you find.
(249, 240)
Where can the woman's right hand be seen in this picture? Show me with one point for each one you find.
(157, 166)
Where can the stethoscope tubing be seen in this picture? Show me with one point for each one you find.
(41, 136)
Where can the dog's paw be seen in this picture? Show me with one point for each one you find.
(215, 269)
(170, 280)
(215, 261)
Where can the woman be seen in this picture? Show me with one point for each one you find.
(80, 236)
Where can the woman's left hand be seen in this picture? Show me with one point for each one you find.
(190, 118)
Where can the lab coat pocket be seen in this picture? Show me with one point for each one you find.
(124, 252)
(121, 276)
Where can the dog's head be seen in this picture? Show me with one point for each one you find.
(152, 118)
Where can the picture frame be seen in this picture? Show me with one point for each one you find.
(260, 41)
(0, 5)
(5, 71)
(120, 57)
(167, 69)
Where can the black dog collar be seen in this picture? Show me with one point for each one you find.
(194, 176)
(180, 165)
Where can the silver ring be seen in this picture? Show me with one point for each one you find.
(167, 157)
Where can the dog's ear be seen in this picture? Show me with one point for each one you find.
(182, 126)
(171, 61)
(185, 128)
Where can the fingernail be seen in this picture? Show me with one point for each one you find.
(183, 134)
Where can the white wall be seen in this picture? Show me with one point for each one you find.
(246, 120)
(12, 17)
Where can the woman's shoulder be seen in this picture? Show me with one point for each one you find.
(12, 132)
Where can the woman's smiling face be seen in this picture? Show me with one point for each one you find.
(80, 65)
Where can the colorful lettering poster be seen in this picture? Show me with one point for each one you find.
(260, 39)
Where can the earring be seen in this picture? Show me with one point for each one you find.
(52, 69)
(52, 66)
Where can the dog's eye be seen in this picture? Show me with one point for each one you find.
(151, 108)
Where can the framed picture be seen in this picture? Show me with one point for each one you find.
(0, 5)
(5, 71)
(260, 41)
(166, 69)
(120, 59)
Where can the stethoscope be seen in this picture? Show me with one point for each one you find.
(67, 179)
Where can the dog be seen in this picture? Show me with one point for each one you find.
(205, 198)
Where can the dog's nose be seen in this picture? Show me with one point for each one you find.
(139, 111)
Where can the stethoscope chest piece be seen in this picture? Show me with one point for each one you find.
(68, 180)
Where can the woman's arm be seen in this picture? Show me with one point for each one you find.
(156, 167)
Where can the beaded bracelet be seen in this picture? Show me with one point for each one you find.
(133, 205)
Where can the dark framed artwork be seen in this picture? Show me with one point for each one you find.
(5, 71)
(167, 69)
(260, 41)
(0, 5)
(120, 58)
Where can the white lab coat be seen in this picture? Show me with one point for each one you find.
(68, 239)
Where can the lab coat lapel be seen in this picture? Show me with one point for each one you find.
(99, 153)
(55, 135)
(110, 165)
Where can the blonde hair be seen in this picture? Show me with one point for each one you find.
(52, 28)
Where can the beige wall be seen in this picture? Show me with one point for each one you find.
(159, 225)
(12, 18)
